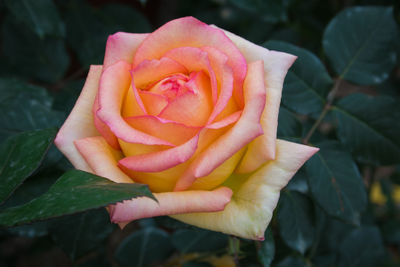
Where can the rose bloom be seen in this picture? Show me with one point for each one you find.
(192, 111)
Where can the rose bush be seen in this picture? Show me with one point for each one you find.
(190, 110)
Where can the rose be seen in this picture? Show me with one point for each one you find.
(191, 110)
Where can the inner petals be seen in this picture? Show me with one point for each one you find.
(194, 106)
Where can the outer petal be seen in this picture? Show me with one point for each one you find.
(114, 83)
(171, 203)
(191, 32)
(79, 123)
(122, 46)
(255, 196)
(245, 130)
(103, 160)
(276, 65)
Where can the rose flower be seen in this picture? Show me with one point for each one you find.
(191, 111)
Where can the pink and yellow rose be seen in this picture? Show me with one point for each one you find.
(190, 110)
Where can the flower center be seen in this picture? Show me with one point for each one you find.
(173, 86)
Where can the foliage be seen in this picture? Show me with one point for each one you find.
(341, 95)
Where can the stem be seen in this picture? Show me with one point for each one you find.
(327, 107)
(234, 248)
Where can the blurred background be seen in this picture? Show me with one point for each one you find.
(46, 48)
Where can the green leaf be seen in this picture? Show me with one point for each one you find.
(80, 233)
(295, 221)
(288, 124)
(369, 127)
(25, 107)
(266, 252)
(298, 182)
(272, 11)
(20, 156)
(335, 182)
(292, 261)
(43, 59)
(187, 240)
(307, 82)
(143, 247)
(359, 43)
(363, 247)
(74, 191)
(39, 15)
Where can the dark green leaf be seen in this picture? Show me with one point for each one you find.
(75, 191)
(196, 264)
(20, 156)
(288, 124)
(270, 11)
(266, 253)
(307, 82)
(39, 15)
(143, 247)
(292, 261)
(335, 182)
(298, 182)
(43, 59)
(187, 240)
(363, 247)
(80, 233)
(369, 127)
(25, 107)
(359, 43)
(295, 221)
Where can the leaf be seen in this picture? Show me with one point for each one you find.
(292, 261)
(88, 29)
(288, 124)
(197, 240)
(369, 127)
(335, 182)
(359, 42)
(143, 247)
(20, 156)
(295, 221)
(80, 233)
(298, 182)
(266, 253)
(43, 59)
(363, 247)
(25, 107)
(269, 11)
(307, 83)
(74, 191)
(39, 15)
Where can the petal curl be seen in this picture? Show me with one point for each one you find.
(170, 203)
(122, 46)
(255, 195)
(276, 65)
(245, 130)
(114, 83)
(79, 123)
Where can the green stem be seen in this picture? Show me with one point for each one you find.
(327, 107)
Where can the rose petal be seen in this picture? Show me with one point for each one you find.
(245, 130)
(103, 160)
(114, 82)
(133, 104)
(122, 46)
(195, 60)
(255, 196)
(171, 203)
(150, 71)
(197, 106)
(173, 132)
(79, 123)
(191, 32)
(154, 103)
(276, 65)
(100, 157)
(160, 160)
